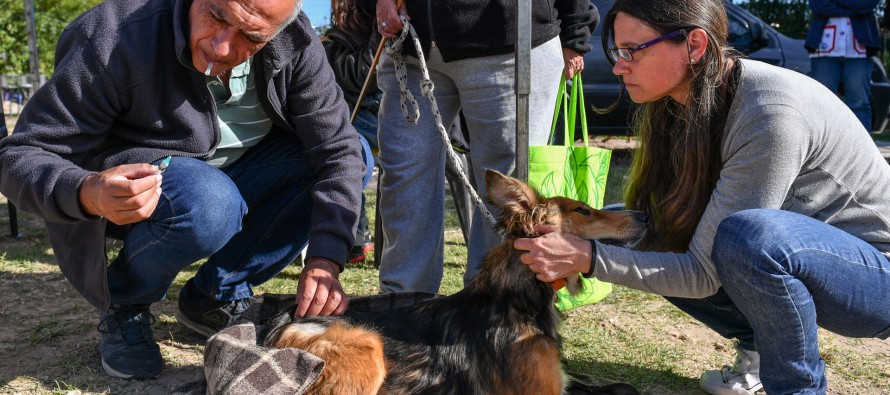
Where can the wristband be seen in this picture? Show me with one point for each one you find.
(589, 274)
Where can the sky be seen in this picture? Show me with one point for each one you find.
(319, 11)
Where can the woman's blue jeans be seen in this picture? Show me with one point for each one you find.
(251, 219)
(788, 274)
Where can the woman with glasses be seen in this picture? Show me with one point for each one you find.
(769, 201)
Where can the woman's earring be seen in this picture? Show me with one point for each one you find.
(691, 60)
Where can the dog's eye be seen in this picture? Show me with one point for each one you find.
(582, 210)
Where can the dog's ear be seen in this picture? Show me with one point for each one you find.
(504, 191)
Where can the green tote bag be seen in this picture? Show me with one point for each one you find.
(577, 172)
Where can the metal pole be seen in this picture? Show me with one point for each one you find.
(32, 45)
(523, 83)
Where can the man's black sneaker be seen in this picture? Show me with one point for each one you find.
(206, 315)
(127, 344)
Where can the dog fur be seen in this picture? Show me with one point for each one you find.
(499, 335)
(353, 355)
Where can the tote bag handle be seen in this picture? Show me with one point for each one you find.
(571, 107)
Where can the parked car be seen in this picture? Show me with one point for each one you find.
(748, 33)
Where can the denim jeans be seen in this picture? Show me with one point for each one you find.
(368, 157)
(413, 161)
(366, 126)
(790, 274)
(855, 75)
(203, 212)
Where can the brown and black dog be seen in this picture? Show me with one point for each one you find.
(499, 335)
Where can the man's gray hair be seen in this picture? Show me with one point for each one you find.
(298, 5)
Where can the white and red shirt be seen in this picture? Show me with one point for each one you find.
(838, 40)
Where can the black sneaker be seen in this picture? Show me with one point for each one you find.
(206, 315)
(127, 344)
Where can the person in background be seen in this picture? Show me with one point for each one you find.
(842, 39)
(350, 43)
(189, 129)
(772, 218)
(349, 48)
(469, 49)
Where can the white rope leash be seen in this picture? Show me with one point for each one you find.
(394, 50)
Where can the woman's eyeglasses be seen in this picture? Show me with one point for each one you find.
(628, 53)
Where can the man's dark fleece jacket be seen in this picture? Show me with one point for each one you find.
(125, 91)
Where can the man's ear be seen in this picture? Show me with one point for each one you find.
(697, 40)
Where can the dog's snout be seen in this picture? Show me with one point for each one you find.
(637, 215)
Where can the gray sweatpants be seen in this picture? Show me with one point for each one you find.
(412, 156)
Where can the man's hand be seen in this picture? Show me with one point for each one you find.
(574, 62)
(123, 194)
(555, 255)
(319, 291)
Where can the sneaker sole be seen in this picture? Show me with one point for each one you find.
(717, 389)
(114, 373)
(194, 326)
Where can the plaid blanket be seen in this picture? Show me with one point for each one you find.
(235, 364)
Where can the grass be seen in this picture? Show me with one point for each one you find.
(630, 336)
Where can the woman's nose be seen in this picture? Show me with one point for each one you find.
(620, 67)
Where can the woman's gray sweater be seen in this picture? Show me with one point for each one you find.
(789, 144)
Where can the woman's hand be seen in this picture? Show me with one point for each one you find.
(555, 255)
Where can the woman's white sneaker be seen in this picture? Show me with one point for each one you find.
(742, 378)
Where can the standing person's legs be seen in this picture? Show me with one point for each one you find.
(827, 71)
(790, 274)
(488, 101)
(857, 88)
(412, 182)
(363, 239)
(463, 202)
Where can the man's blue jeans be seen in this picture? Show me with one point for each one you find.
(855, 75)
(788, 274)
(203, 211)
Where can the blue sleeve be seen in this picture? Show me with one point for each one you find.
(848, 8)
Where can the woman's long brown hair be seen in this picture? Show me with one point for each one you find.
(678, 163)
(345, 16)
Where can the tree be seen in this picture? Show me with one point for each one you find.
(790, 17)
(51, 17)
